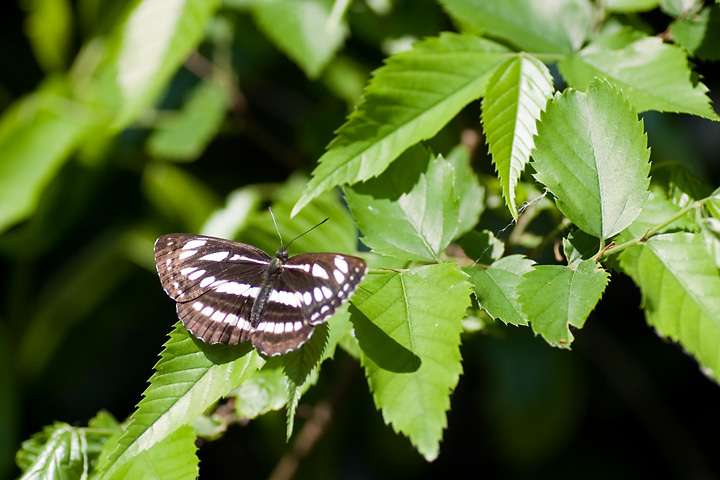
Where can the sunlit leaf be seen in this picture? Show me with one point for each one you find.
(409, 332)
(591, 153)
(409, 99)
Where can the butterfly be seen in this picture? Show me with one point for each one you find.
(229, 292)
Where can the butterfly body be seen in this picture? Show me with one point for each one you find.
(230, 292)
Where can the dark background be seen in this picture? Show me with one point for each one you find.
(622, 404)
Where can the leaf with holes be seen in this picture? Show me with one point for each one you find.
(408, 325)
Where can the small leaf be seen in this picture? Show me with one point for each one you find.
(699, 34)
(517, 93)
(304, 29)
(467, 189)
(183, 135)
(173, 458)
(654, 75)
(189, 378)
(553, 297)
(592, 154)
(49, 28)
(680, 286)
(408, 326)
(496, 287)
(59, 451)
(411, 210)
(408, 100)
(557, 26)
(628, 6)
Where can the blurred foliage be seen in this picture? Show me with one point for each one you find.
(125, 120)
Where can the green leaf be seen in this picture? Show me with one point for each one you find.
(408, 326)
(517, 93)
(553, 297)
(49, 25)
(60, 451)
(699, 34)
(550, 26)
(141, 53)
(655, 211)
(592, 154)
(184, 135)
(166, 186)
(467, 189)
(306, 30)
(580, 246)
(189, 378)
(229, 220)
(483, 247)
(654, 75)
(628, 6)
(409, 99)
(496, 287)
(37, 135)
(265, 391)
(173, 458)
(411, 210)
(339, 234)
(680, 287)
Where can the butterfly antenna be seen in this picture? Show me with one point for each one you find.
(308, 231)
(276, 228)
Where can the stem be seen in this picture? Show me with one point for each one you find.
(653, 231)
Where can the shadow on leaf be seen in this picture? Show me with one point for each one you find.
(380, 347)
(219, 353)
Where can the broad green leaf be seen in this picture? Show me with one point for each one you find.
(37, 135)
(408, 326)
(166, 186)
(183, 135)
(652, 74)
(188, 379)
(627, 6)
(173, 458)
(710, 231)
(680, 287)
(516, 94)
(49, 25)
(467, 189)
(411, 210)
(549, 26)
(408, 100)
(483, 248)
(496, 287)
(699, 34)
(305, 30)
(553, 297)
(266, 390)
(140, 54)
(591, 153)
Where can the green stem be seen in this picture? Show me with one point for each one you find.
(652, 231)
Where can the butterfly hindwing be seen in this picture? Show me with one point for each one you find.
(229, 292)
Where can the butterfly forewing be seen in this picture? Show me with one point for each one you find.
(229, 292)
